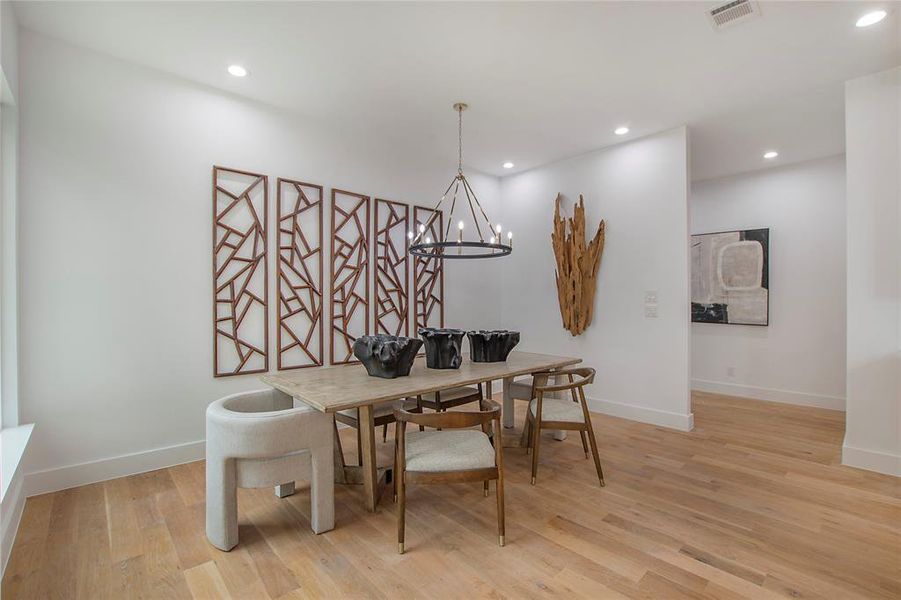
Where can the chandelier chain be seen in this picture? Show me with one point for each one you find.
(460, 140)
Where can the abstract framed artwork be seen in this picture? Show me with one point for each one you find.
(299, 332)
(349, 273)
(240, 272)
(392, 221)
(730, 277)
(428, 273)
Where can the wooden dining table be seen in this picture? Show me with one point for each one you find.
(340, 387)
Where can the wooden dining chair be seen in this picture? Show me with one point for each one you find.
(443, 400)
(561, 413)
(449, 453)
(383, 415)
(522, 388)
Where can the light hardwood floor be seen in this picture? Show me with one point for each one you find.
(752, 503)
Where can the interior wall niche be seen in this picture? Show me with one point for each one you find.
(730, 277)
(428, 273)
(299, 336)
(349, 273)
(240, 272)
(392, 221)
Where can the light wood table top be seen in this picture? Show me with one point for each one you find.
(340, 387)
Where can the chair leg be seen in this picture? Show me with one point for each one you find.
(394, 466)
(501, 538)
(322, 489)
(401, 507)
(486, 488)
(385, 432)
(536, 440)
(221, 502)
(526, 439)
(584, 443)
(597, 458)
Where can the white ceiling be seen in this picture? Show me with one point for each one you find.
(544, 80)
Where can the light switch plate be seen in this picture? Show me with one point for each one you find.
(650, 304)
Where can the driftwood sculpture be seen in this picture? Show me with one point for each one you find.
(577, 266)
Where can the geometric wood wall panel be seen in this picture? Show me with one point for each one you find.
(349, 273)
(299, 332)
(391, 271)
(240, 272)
(428, 273)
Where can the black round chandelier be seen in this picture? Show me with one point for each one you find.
(421, 243)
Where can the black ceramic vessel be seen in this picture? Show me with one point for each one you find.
(491, 345)
(387, 356)
(443, 347)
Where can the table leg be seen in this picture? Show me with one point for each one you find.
(367, 442)
(507, 413)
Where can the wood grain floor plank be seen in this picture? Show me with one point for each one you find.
(205, 582)
(92, 547)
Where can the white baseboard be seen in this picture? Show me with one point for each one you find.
(61, 478)
(644, 414)
(10, 514)
(768, 394)
(871, 460)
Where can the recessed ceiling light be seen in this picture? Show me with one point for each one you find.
(871, 18)
(237, 70)
(770, 154)
(623, 130)
(508, 165)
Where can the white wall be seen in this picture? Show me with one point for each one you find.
(13, 439)
(873, 151)
(115, 250)
(9, 45)
(641, 189)
(9, 156)
(800, 357)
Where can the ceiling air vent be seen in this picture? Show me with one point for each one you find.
(732, 13)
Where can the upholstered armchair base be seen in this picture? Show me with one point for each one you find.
(259, 439)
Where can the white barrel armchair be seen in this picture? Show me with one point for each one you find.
(260, 439)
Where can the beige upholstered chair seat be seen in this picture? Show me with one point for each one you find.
(453, 394)
(449, 450)
(559, 410)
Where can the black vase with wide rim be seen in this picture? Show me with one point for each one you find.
(443, 347)
(387, 356)
(491, 345)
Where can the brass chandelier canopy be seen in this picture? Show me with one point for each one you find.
(422, 245)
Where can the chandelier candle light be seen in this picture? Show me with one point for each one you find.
(422, 245)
